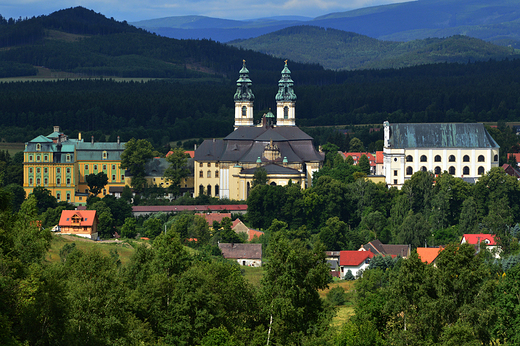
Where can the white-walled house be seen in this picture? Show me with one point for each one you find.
(245, 254)
(488, 239)
(355, 261)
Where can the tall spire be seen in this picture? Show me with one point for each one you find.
(244, 99)
(285, 99)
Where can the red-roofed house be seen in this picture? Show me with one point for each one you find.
(357, 156)
(82, 223)
(516, 156)
(488, 239)
(240, 227)
(428, 254)
(210, 217)
(380, 168)
(512, 171)
(355, 261)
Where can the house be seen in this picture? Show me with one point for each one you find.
(380, 167)
(463, 150)
(225, 168)
(82, 223)
(428, 254)
(512, 171)
(477, 239)
(357, 155)
(240, 227)
(355, 261)
(212, 217)
(245, 254)
(378, 248)
(61, 164)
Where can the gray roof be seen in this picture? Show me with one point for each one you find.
(279, 133)
(241, 251)
(88, 151)
(405, 136)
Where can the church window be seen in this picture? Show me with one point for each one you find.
(465, 158)
(45, 170)
(216, 164)
(409, 170)
(424, 169)
(216, 174)
(86, 167)
(424, 158)
(437, 158)
(286, 112)
(38, 158)
(216, 190)
(395, 181)
(248, 188)
(465, 170)
(481, 158)
(451, 158)
(122, 177)
(209, 190)
(201, 174)
(208, 175)
(201, 190)
(481, 170)
(451, 170)
(437, 170)
(244, 111)
(409, 158)
(273, 184)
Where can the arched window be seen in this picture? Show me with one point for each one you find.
(424, 158)
(244, 111)
(437, 158)
(45, 181)
(208, 175)
(495, 158)
(201, 174)
(209, 190)
(451, 170)
(248, 188)
(424, 169)
(437, 170)
(217, 190)
(481, 170)
(216, 174)
(30, 181)
(68, 181)
(451, 158)
(58, 196)
(30, 170)
(68, 196)
(38, 147)
(273, 184)
(465, 170)
(481, 158)
(465, 158)
(68, 170)
(58, 181)
(409, 170)
(105, 155)
(409, 158)
(201, 190)
(58, 170)
(38, 182)
(286, 112)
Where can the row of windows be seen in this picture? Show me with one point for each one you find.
(45, 170)
(451, 158)
(208, 189)
(201, 164)
(96, 167)
(451, 170)
(208, 174)
(46, 158)
(46, 181)
(58, 196)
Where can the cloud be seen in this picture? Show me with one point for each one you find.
(135, 10)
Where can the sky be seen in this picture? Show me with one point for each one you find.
(135, 10)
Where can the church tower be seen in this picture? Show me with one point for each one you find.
(244, 99)
(285, 100)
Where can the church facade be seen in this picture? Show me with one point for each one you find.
(224, 168)
(463, 150)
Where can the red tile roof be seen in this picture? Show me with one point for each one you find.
(428, 254)
(254, 233)
(474, 239)
(357, 156)
(86, 217)
(379, 157)
(353, 258)
(210, 217)
(516, 155)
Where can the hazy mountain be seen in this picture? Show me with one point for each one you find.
(491, 20)
(335, 49)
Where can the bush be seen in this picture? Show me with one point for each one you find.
(336, 296)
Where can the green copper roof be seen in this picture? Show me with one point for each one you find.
(269, 114)
(285, 86)
(244, 92)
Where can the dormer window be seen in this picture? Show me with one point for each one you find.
(38, 147)
(67, 158)
(105, 155)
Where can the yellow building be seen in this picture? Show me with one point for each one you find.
(60, 165)
(225, 168)
(463, 150)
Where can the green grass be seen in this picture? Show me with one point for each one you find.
(253, 275)
(12, 148)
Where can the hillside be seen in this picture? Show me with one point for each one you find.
(490, 20)
(86, 43)
(336, 49)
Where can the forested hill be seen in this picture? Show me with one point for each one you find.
(336, 49)
(80, 41)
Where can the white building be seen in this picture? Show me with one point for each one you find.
(463, 150)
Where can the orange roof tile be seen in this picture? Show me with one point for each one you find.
(210, 217)
(357, 156)
(86, 217)
(428, 254)
(379, 157)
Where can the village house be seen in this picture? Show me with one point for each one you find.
(240, 227)
(428, 254)
(478, 239)
(378, 248)
(355, 261)
(245, 254)
(82, 223)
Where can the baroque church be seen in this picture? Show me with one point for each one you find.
(225, 168)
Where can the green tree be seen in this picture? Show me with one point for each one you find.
(96, 182)
(177, 170)
(106, 221)
(44, 199)
(356, 146)
(333, 234)
(134, 158)
(260, 177)
(129, 228)
(364, 164)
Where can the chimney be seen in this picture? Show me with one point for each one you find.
(195, 147)
(92, 139)
(79, 136)
(56, 129)
(118, 140)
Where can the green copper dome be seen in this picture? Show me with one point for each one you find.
(244, 92)
(269, 114)
(285, 86)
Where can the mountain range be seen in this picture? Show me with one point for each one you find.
(496, 21)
